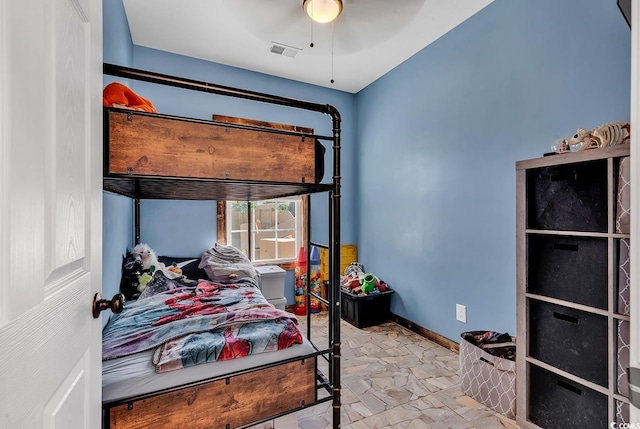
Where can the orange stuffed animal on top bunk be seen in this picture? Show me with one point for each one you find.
(118, 95)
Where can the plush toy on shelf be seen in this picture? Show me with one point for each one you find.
(116, 94)
(610, 134)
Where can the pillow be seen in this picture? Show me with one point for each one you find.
(226, 264)
(189, 266)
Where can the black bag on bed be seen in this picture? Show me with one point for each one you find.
(131, 271)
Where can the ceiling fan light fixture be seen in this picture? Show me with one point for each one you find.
(322, 11)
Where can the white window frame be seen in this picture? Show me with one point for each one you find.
(298, 231)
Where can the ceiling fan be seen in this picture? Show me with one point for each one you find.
(360, 25)
(322, 11)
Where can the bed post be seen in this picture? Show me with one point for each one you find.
(250, 225)
(136, 203)
(334, 272)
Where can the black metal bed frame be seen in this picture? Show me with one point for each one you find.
(138, 187)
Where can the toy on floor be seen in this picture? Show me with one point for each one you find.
(356, 281)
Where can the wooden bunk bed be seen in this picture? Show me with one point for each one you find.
(218, 170)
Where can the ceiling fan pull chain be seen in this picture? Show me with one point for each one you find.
(332, 81)
(311, 24)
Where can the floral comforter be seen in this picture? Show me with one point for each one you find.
(188, 323)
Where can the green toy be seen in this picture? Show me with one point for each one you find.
(143, 280)
(368, 283)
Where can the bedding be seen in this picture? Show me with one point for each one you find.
(187, 322)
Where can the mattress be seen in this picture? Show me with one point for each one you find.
(135, 375)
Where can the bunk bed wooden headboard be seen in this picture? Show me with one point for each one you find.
(143, 143)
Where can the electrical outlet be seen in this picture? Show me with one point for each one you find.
(461, 313)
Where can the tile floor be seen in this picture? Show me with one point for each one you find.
(395, 378)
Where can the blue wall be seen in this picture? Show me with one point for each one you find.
(117, 45)
(178, 228)
(429, 149)
(188, 228)
(438, 138)
(117, 238)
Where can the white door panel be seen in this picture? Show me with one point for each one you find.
(68, 407)
(66, 177)
(50, 212)
(44, 349)
(24, 123)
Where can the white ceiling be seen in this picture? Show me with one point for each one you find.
(370, 37)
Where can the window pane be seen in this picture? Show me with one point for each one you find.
(275, 235)
(237, 220)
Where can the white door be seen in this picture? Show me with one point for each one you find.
(50, 213)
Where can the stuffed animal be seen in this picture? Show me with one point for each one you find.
(118, 95)
(610, 134)
(581, 140)
(139, 269)
(174, 268)
(148, 256)
(144, 279)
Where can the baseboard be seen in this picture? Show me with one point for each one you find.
(424, 332)
(430, 335)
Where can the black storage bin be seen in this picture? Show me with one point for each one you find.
(569, 197)
(366, 310)
(556, 402)
(569, 339)
(557, 266)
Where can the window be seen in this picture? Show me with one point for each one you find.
(277, 233)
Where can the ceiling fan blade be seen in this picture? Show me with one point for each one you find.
(364, 23)
(262, 16)
(375, 12)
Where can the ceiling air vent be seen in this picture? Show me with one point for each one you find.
(284, 50)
